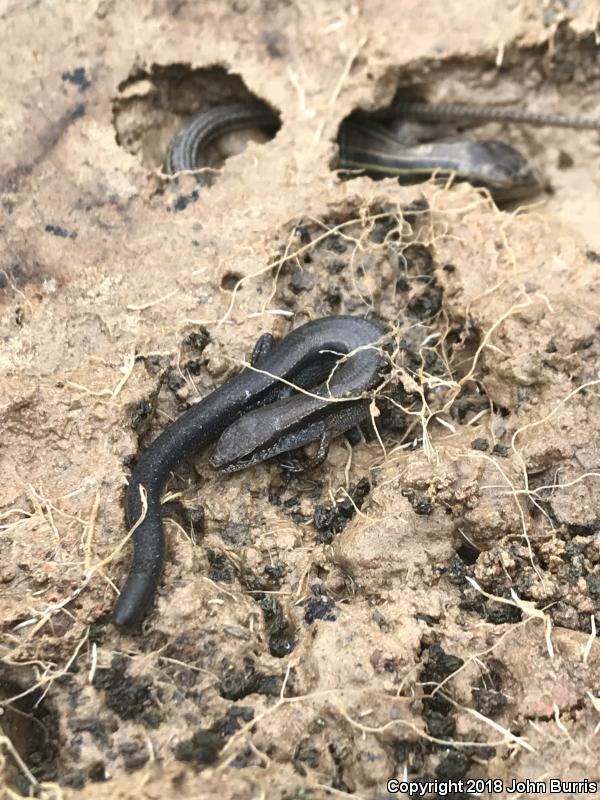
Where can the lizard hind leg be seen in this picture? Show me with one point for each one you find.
(303, 463)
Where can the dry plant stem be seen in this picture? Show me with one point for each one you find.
(112, 394)
(47, 680)
(509, 736)
(476, 657)
(543, 420)
(151, 303)
(283, 700)
(519, 507)
(425, 414)
(525, 606)
(6, 743)
(585, 652)
(43, 617)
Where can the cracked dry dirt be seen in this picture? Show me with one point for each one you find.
(421, 604)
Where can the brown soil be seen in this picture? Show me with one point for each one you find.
(423, 603)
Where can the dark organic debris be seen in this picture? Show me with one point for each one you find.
(236, 684)
(182, 201)
(319, 606)
(78, 78)
(202, 748)
(129, 698)
(330, 520)
(63, 233)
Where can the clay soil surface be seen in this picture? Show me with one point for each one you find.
(424, 604)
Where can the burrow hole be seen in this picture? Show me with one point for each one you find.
(561, 75)
(153, 105)
(32, 728)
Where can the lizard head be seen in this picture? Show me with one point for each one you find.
(247, 441)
